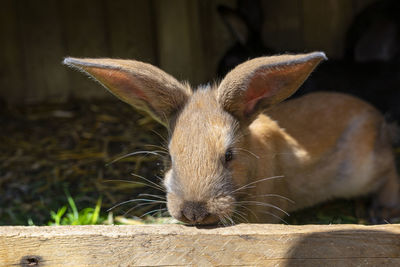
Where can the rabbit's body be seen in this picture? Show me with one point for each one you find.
(231, 159)
(346, 156)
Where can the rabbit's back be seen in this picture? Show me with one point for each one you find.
(347, 146)
(326, 117)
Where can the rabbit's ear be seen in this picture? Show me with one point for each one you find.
(141, 85)
(259, 83)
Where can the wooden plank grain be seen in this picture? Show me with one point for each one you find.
(325, 24)
(282, 29)
(43, 50)
(11, 67)
(86, 34)
(178, 245)
(132, 30)
(179, 36)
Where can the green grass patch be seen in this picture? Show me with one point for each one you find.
(70, 215)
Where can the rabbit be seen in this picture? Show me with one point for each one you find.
(374, 35)
(238, 153)
(245, 26)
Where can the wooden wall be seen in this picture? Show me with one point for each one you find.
(184, 37)
(307, 25)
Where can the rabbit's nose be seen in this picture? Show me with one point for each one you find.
(195, 212)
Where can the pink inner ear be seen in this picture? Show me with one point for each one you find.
(119, 82)
(253, 99)
(258, 88)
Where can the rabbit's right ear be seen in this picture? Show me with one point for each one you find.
(141, 85)
(257, 84)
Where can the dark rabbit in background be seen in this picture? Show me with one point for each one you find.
(244, 24)
(370, 68)
(375, 34)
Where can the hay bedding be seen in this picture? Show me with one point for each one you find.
(46, 148)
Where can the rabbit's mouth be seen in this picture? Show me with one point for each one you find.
(211, 212)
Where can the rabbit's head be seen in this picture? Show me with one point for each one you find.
(209, 127)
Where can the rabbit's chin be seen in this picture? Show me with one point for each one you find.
(213, 211)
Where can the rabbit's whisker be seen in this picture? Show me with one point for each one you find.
(135, 200)
(158, 147)
(241, 216)
(273, 195)
(155, 196)
(275, 216)
(249, 152)
(160, 135)
(258, 203)
(246, 208)
(155, 152)
(255, 182)
(137, 206)
(134, 182)
(152, 211)
(159, 187)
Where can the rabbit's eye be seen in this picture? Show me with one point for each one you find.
(228, 155)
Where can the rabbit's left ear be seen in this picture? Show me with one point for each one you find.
(261, 82)
(139, 84)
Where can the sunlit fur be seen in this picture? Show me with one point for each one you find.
(203, 132)
(314, 160)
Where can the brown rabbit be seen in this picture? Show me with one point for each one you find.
(238, 154)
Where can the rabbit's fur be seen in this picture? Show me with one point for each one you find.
(238, 154)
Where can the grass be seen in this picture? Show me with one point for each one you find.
(70, 215)
(336, 212)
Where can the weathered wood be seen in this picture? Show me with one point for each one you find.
(325, 24)
(11, 58)
(131, 30)
(43, 49)
(185, 38)
(177, 245)
(282, 29)
(179, 40)
(86, 34)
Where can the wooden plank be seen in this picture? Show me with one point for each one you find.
(11, 67)
(178, 245)
(282, 29)
(325, 24)
(42, 44)
(132, 30)
(173, 49)
(86, 34)
(179, 36)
